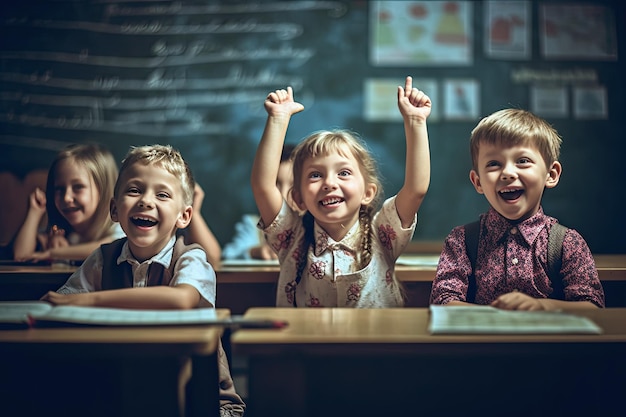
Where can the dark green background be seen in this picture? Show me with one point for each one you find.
(329, 84)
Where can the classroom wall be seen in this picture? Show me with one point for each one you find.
(195, 74)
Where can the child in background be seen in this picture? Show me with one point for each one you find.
(151, 268)
(515, 158)
(341, 252)
(199, 232)
(78, 191)
(248, 242)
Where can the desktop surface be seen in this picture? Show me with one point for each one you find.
(365, 362)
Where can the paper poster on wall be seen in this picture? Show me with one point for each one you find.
(381, 98)
(590, 103)
(461, 99)
(507, 29)
(549, 101)
(570, 31)
(420, 33)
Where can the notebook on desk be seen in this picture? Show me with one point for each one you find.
(490, 320)
(249, 262)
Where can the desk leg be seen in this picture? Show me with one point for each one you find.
(284, 394)
(202, 397)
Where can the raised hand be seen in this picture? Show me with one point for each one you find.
(412, 102)
(281, 102)
(37, 200)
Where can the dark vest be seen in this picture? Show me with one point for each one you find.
(116, 276)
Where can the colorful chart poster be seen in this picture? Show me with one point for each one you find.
(421, 33)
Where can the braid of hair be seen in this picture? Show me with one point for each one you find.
(365, 220)
(307, 241)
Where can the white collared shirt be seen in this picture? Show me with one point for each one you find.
(192, 268)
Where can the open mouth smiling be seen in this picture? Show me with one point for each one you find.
(330, 201)
(143, 221)
(511, 194)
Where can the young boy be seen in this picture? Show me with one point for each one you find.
(515, 157)
(151, 268)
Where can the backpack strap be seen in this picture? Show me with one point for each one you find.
(555, 259)
(472, 231)
(556, 235)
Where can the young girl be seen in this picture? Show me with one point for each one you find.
(341, 252)
(78, 193)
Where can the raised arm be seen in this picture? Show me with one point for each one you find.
(199, 231)
(26, 239)
(280, 106)
(415, 107)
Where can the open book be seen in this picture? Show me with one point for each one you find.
(22, 314)
(490, 320)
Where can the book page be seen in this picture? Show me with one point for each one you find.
(126, 317)
(18, 311)
(418, 260)
(490, 320)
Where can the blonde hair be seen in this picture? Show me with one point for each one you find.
(512, 127)
(102, 168)
(345, 143)
(165, 157)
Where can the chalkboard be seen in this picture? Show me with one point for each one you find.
(194, 75)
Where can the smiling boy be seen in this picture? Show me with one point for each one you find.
(515, 158)
(150, 268)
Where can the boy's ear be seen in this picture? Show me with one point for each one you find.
(113, 210)
(554, 174)
(475, 179)
(184, 218)
(370, 193)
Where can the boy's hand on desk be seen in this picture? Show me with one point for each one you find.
(518, 301)
(55, 298)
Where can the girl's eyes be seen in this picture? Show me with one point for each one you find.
(344, 173)
(315, 175)
(132, 190)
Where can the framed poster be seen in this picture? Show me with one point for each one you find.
(575, 31)
(507, 29)
(381, 98)
(420, 33)
(461, 99)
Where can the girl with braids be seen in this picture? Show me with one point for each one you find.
(342, 250)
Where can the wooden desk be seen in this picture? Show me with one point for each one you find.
(384, 362)
(110, 371)
(242, 287)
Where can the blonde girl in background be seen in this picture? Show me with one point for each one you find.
(76, 201)
(342, 251)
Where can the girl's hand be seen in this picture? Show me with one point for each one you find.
(281, 102)
(56, 238)
(37, 200)
(517, 301)
(412, 102)
(198, 198)
(83, 299)
(39, 256)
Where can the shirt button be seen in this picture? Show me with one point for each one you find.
(515, 261)
(514, 231)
